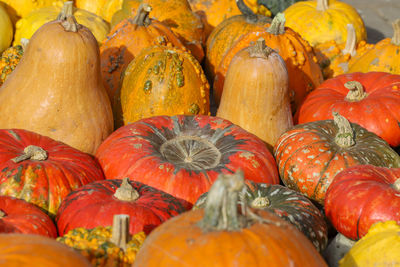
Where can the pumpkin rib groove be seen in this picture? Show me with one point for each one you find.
(322, 176)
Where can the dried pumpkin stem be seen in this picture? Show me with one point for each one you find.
(396, 184)
(277, 26)
(33, 153)
(142, 17)
(2, 214)
(396, 32)
(246, 11)
(345, 134)
(260, 202)
(351, 41)
(67, 18)
(24, 43)
(356, 92)
(260, 49)
(126, 192)
(322, 5)
(120, 231)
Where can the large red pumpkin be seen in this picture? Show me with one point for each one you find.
(19, 216)
(41, 170)
(95, 204)
(183, 155)
(361, 196)
(371, 100)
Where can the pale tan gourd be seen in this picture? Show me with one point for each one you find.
(56, 89)
(256, 94)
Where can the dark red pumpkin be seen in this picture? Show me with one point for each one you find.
(362, 195)
(371, 100)
(19, 216)
(95, 204)
(41, 170)
(183, 155)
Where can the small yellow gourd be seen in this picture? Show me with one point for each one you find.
(102, 8)
(21, 8)
(6, 29)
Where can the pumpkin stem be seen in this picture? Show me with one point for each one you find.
(33, 153)
(396, 184)
(246, 11)
(67, 18)
(126, 192)
(356, 92)
(396, 34)
(2, 214)
(260, 49)
(345, 134)
(142, 16)
(277, 25)
(351, 41)
(120, 231)
(322, 5)
(260, 202)
(24, 43)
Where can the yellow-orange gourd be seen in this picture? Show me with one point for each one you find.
(6, 29)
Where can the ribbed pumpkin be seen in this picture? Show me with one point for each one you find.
(320, 21)
(183, 155)
(19, 216)
(371, 100)
(289, 205)
(126, 40)
(29, 24)
(310, 155)
(221, 235)
(6, 29)
(303, 69)
(227, 32)
(9, 60)
(102, 8)
(161, 80)
(383, 57)
(41, 170)
(256, 93)
(106, 245)
(177, 15)
(146, 206)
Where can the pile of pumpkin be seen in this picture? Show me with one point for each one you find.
(116, 151)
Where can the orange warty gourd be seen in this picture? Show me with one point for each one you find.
(56, 89)
(256, 93)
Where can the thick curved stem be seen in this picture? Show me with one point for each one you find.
(356, 92)
(142, 17)
(24, 43)
(278, 24)
(33, 153)
(396, 32)
(260, 49)
(322, 5)
(120, 231)
(67, 18)
(126, 192)
(246, 11)
(345, 134)
(351, 41)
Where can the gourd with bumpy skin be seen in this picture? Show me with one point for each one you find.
(56, 89)
(9, 60)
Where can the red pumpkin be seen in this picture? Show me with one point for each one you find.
(183, 155)
(95, 204)
(361, 196)
(41, 170)
(371, 100)
(19, 216)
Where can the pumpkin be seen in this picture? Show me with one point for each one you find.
(384, 57)
(361, 196)
(6, 29)
(379, 247)
(21, 8)
(9, 60)
(288, 205)
(102, 8)
(71, 104)
(19, 216)
(146, 206)
(320, 21)
(161, 80)
(371, 100)
(126, 40)
(227, 32)
(310, 154)
(182, 155)
(177, 15)
(257, 85)
(106, 245)
(221, 235)
(303, 70)
(41, 170)
(29, 24)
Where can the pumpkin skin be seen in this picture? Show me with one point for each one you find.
(371, 100)
(146, 206)
(257, 85)
(161, 80)
(126, 40)
(310, 155)
(72, 104)
(19, 216)
(6, 29)
(43, 181)
(361, 196)
(9, 60)
(320, 21)
(21, 8)
(102, 8)
(36, 250)
(182, 155)
(303, 70)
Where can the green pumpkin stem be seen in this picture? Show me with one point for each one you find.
(260, 49)
(33, 153)
(351, 41)
(246, 11)
(120, 231)
(126, 192)
(396, 32)
(322, 5)
(142, 17)
(345, 134)
(67, 18)
(277, 25)
(356, 92)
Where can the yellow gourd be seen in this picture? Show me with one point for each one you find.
(102, 8)
(6, 29)
(379, 247)
(21, 8)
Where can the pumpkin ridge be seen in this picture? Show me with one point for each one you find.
(315, 193)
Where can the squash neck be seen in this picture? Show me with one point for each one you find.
(126, 192)
(322, 5)
(32, 153)
(142, 17)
